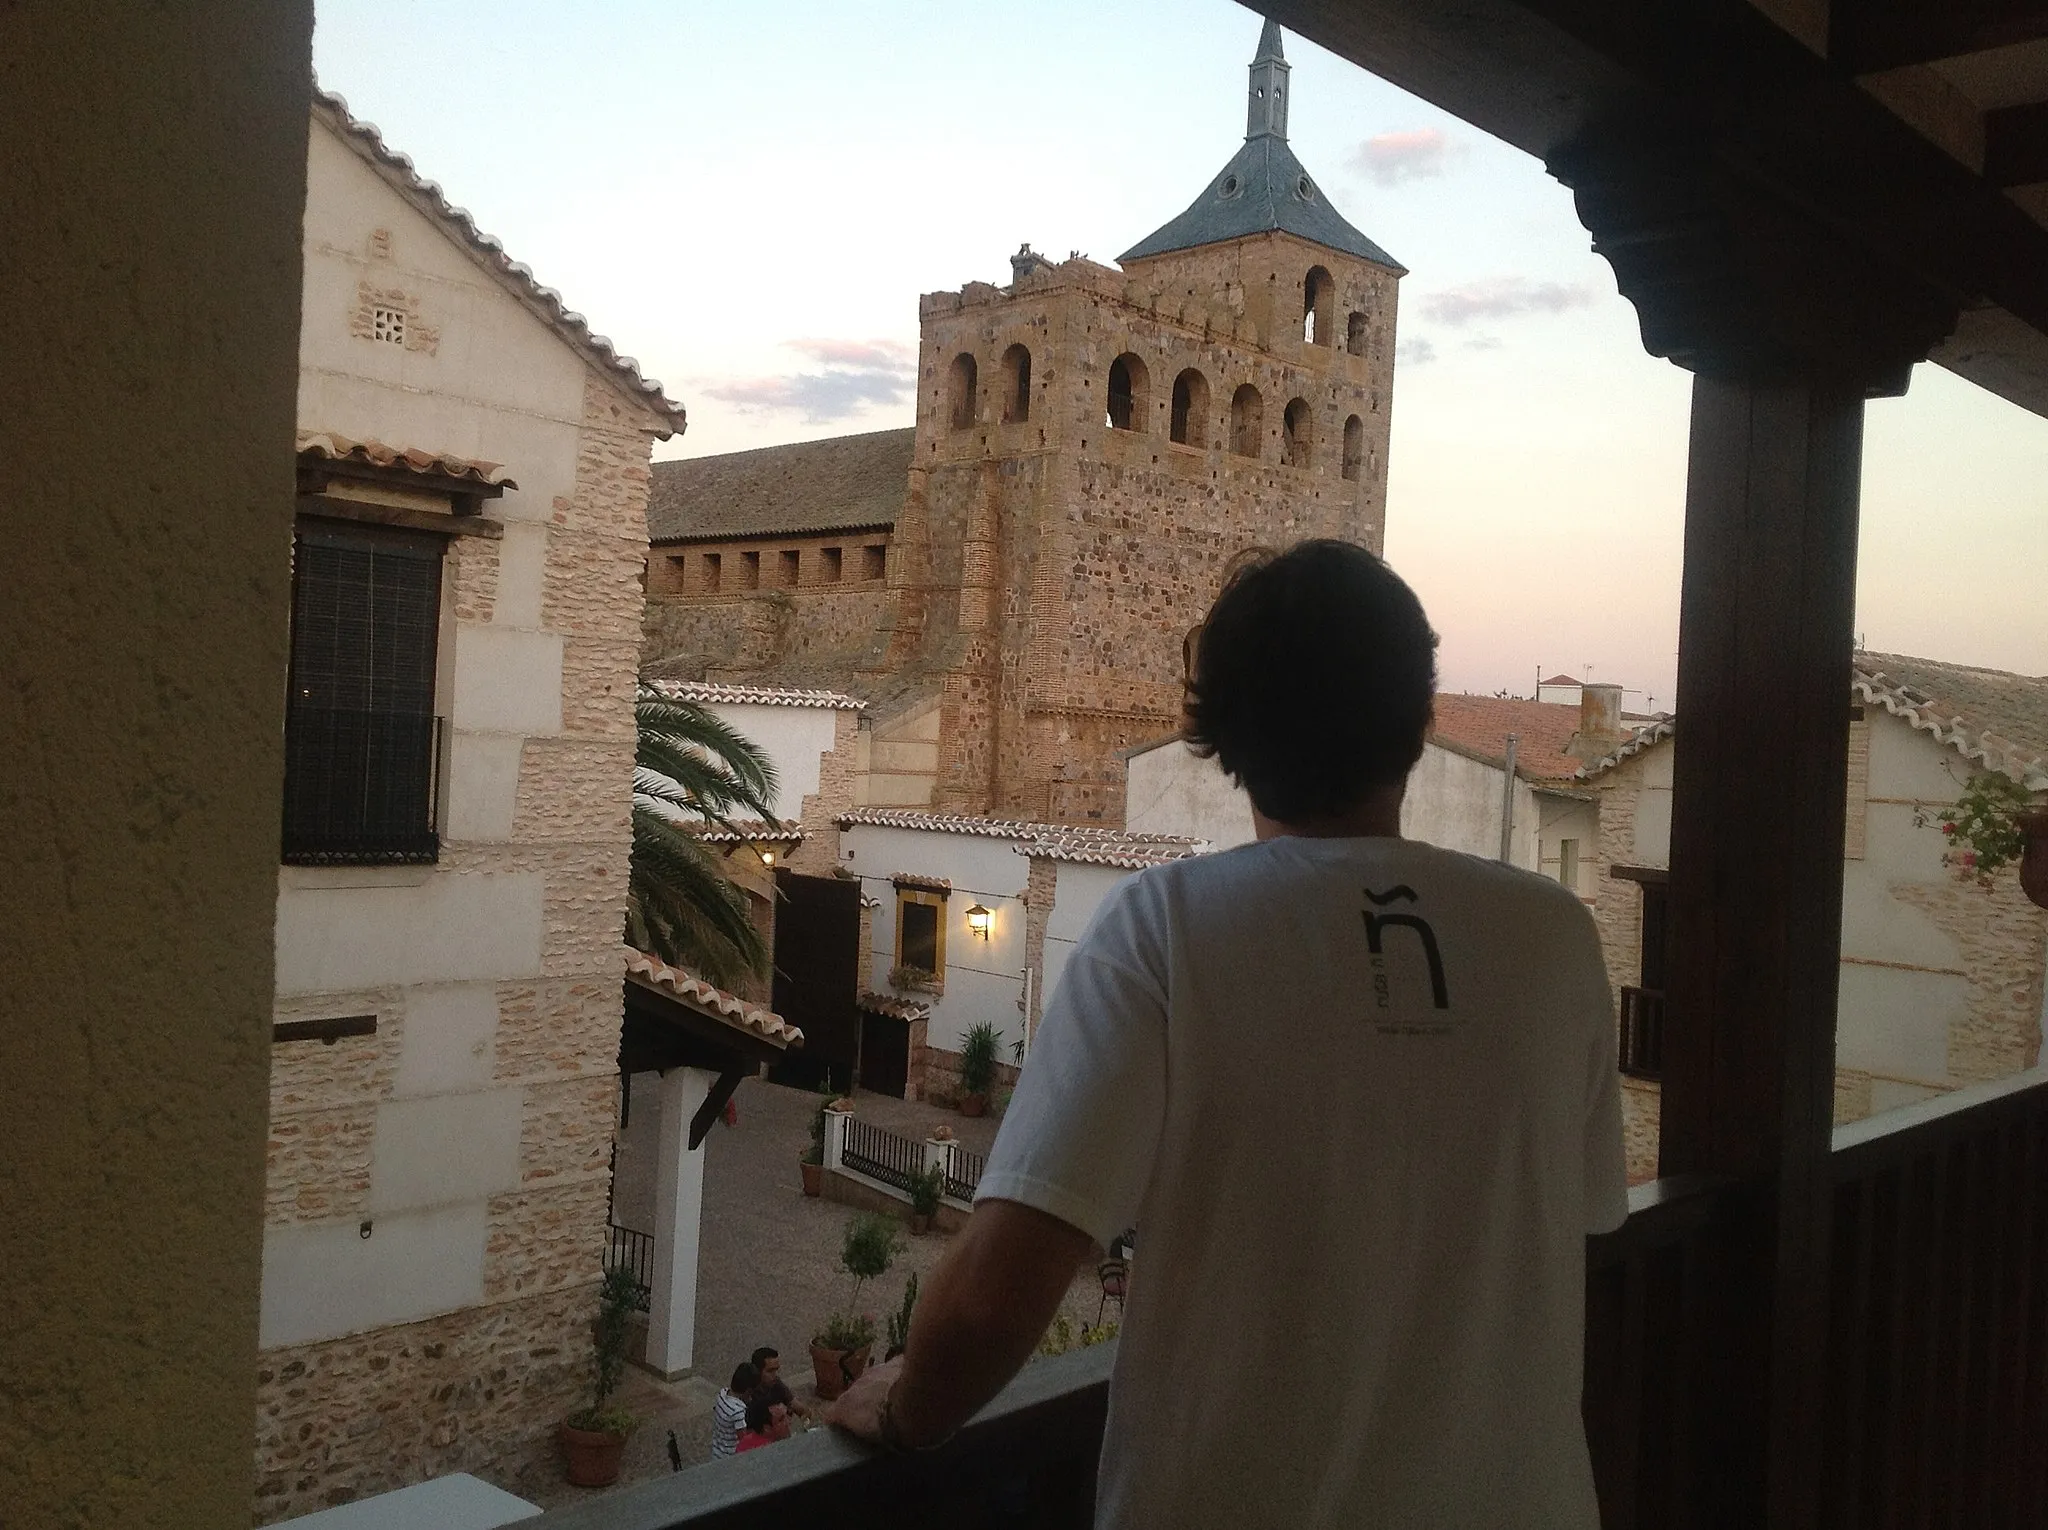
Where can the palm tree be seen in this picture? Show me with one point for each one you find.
(680, 906)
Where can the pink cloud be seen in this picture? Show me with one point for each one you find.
(1415, 154)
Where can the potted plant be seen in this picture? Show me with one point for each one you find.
(839, 1352)
(926, 1186)
(594, 1438)
(1987, 826)
(899, 1320)
(978, 1067)
(812, 1164)
(906, 978)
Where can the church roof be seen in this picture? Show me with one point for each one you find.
(843, 483)
(1264, 188)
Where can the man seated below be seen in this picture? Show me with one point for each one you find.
(768, 1363)
(767, 1422)
(729, 1410)
(1359, 1093)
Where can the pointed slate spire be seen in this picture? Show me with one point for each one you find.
(1266, 101)
(1264, 187)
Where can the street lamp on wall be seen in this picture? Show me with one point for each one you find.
(980, 920)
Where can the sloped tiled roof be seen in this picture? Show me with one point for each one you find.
(1263, 189)
(741, 831)
(1129, 853)
(892, 1006)
(397, 170)
(842, 483)
(708, 692)
(1000, 828)
(713, 1002)
(1480, 725)
(1992, 717)
(912, 879)
(333, 448)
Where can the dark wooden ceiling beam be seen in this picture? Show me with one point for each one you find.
(1551, 76)
(1865, 36)
(2016, 145)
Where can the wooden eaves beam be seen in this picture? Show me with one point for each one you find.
(1865, 36)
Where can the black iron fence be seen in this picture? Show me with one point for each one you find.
(881, 1155)
(965, 1176)
(632, 1252)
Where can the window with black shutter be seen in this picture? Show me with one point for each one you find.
(361, 737)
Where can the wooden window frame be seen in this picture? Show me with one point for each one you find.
(922, 897)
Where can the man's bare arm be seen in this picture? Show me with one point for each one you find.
(978, 1319)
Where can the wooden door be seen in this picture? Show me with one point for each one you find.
(817, 976)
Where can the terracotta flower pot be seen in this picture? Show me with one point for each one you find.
(973, 1104)
(834, 1370)
(920, 1224)
(814, 1178)
(593, 1457)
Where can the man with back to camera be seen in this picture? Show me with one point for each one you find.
(1357, 1093)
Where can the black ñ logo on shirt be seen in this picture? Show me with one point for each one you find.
(1375, 923)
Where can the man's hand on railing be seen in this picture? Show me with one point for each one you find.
(862, 1408)
(2034, 860)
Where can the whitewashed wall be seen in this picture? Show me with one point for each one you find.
(500, 386)
(795, 739)
(984, 980)
(1078, 892)
(1168, 790)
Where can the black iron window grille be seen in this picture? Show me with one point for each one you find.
(1642, 1033)
(362, 743)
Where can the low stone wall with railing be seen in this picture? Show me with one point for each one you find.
(869, 1166)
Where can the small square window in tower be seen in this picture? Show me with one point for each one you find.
(1016, 385)
(1354, 334)
(750, 571)
(830, 562)
(1318, 307)
(713, 567)
(788, 568)
(1354, 446)
(874, 562)
(388, 325)
(1247, 421)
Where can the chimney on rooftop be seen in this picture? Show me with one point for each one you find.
(1600, 725)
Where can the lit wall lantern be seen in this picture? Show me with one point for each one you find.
(980, 920)
(767, 857)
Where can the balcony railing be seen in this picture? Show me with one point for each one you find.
(1642, 1033)
(1936, 1391)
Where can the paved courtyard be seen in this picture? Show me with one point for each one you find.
(768, 1270)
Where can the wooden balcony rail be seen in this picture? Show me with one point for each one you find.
(1936, 1395)
(1642, 1033)
(1937, 1371)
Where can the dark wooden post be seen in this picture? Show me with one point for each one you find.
(1787, 330)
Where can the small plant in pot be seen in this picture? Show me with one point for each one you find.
(1988, 826)
(594, 1438)
(926, 1186)
(812, 1164)
(978, 1067)
(840, 1351)
(907, 978)
(899, 1320)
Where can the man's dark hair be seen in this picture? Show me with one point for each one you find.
(763, 1355)
(744, 1379)
(760, 1415)
(1311, 679)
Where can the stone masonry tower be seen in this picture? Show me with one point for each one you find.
(1094, 446)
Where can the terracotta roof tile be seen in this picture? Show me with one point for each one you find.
(999, 828)
(842, 483)
(546, 303)
(1480, 725)
(333, 448)
(710, 1001)
(1992, 717)
(708, 692)
(889, 1004)
(922, 883)
(740, 831)
(1129, 854)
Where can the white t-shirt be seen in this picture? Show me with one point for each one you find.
(1359, 1098)
(728, 1418)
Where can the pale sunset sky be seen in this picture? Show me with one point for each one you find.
(749, 199)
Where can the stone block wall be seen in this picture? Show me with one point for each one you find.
(480, 1388)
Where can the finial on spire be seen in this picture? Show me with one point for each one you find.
(1266, 102)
